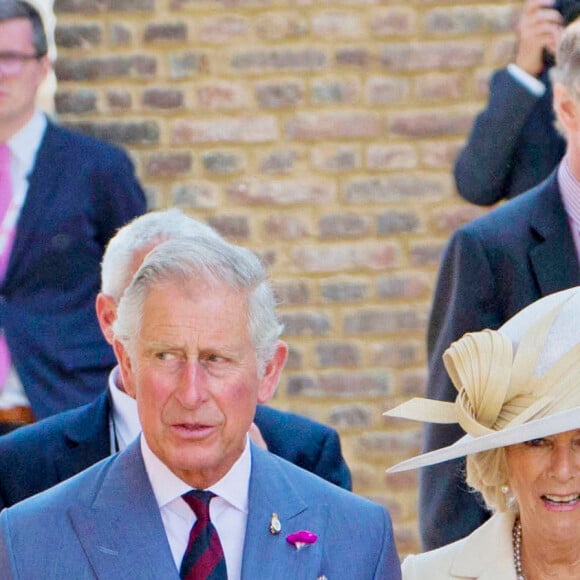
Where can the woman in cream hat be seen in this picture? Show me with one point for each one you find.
(519, 403)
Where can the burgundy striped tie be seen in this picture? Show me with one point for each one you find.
(204, 556)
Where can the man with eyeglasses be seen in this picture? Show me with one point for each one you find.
(62, 196)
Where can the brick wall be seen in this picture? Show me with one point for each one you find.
(321, 134)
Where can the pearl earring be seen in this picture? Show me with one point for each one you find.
(505, 489)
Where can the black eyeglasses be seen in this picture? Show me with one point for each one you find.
(12, 63)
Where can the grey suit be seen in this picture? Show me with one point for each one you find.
(104, 523)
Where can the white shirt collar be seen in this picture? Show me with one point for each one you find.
(232, 487)
(25, 143)
(126, 425)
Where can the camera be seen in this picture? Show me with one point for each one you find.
(569, 9)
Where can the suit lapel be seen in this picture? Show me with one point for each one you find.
(487, 553)
(554, 260)
(86, 440)
(267, 555)
(41, 187)
(122, 532)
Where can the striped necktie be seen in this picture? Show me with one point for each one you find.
(5, 200)
(204, 556)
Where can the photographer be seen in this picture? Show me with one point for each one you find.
(513, 144)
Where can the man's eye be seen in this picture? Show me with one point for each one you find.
(164, 356)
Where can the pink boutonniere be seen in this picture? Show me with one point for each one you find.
(301, 539)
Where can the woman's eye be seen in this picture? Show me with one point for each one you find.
(540, 442)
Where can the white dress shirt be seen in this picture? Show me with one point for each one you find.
(23, 148)
(228, 511)
(124, 425)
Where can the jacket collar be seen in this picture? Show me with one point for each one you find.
(487, 554)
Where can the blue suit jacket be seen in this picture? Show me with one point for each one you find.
(104, 523)
(513, 144)
(80, 192)
(37, 457)
(491, 269)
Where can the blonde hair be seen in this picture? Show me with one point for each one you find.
(487, 473)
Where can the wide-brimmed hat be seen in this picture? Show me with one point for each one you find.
(518, 383)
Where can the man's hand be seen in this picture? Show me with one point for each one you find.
(539, 28)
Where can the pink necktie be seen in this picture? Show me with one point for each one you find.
(5, 199)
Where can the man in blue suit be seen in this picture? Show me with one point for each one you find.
(68, 194)
(197, 338)
(491, 269)
(38, 456)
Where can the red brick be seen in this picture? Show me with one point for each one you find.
(169, 164)
(431, 56)
(231, 226)
(334, 125)
(223, 29)
(397, 354)
(282, 192)
(84, 36)
(430, 123)
(221, 95)
(337, 24)
(381, 90)
(346, 256)
(279, 94)
(162, 98)
(305, 323)
(366, 190)
(440, 154)
(440, 87)
(335, 158)
(395, 21)
(280, 25)
(395, 222)
(384, 321)
(268, 60)
(260, 129)
(327, 91)
(286, 227)
(336, 354)
(196, 195)
(355, 415)
(407, 286)
(388, 157)
(167, 32)
(338, 290)
(292, 292)
(344, 226)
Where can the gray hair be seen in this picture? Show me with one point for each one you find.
(567, 68)
(14, 9)
(143, 231)
(185, 261)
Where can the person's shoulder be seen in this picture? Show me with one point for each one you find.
(434, 564)
(506, 218)
(316, 489)
(79, 489)
(266, 415)
(81, 142)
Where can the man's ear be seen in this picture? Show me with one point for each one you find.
(125, 367)
(269, 381)
(106, 308)
(565, 107)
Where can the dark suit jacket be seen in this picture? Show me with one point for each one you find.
(492, 268)
(513, 144)
(38, 456)
(80, 192)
